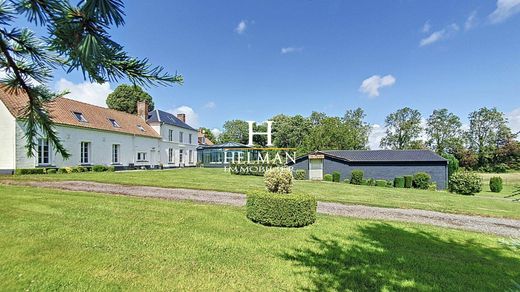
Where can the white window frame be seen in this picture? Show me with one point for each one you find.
(114, 123)
(42, 144)
(190, 140)
(181, 156)
(80, 117)
(143, 158)
(171, 155)
(116, 153)
(170, 135)
(88, 152)
(190, 156)
(181, 137)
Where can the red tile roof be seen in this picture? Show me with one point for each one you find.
(62, 111)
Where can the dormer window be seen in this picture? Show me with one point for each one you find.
(79, 116)
(114, 123)
(140, 128)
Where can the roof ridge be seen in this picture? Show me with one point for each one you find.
(97, 106)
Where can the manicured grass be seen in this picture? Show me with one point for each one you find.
(485, 204)
(57, 240)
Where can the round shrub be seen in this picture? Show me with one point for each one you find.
(408, 181)
(281, 209)
(99, 168)
(62, 170)
(278, 180)
(81, 169)
(371, 182)
(336, 176)
(421, 180)
(389, 183)
(465, 183)
(399, 182)
(111, 168)
(300, 174)
(327, 177)
(432, 186)
(495, 184)
(69, 169)
(356, 177)
(347, 180)
(380, 183)
(51, 170)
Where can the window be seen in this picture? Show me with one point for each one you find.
(189, 138)
(181, 137)
(80, 117)
(43, 151)
(190, 156)
(141, 156)
(115, 153)
(85, 153)
(180, 156)
(140, 128)
(114, 123)
(171, 158)
(170, 135)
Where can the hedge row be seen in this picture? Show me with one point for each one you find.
(77, 169)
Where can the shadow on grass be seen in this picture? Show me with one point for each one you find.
(383, 257)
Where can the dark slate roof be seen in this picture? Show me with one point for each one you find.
(384, 155)
(225, 145)
(167, 118)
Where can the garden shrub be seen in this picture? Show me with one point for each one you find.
(421, 180)
(347, 180)
(111, 168)
(364, 182)
(336, 176)
(500, 168)
(453, 163)
(408, 181)
(300, 174)
(23, 171)
(465, 183)
(99, 168)
(74, 169)
(380, 183)
(495, 184)
(371, 182)
(81, 168)
(62, 170)
(278, 180)
(432, 186)
(52, 170)
(389, 183)
(356, 177)
(284, 210)
(399, 182)
(327, 177)
(68, 169)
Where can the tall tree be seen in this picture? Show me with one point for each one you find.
(77, 39)
(290, 132)
(356, 129)
(444, 131)
(488, 131)
(235, 131)
(403, 128)
(209, 135)
(125, 98)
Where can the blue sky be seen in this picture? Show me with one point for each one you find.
(254, 59)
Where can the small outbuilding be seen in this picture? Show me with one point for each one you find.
(376, 164)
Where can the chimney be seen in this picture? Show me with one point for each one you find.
(182, 117)
(142, 110)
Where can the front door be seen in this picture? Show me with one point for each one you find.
(316, 169)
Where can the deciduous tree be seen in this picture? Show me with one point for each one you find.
(125, 98)
(444, 131)
(403, 128)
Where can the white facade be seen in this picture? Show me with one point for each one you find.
(174, 151)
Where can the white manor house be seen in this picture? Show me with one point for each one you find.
(97, 135)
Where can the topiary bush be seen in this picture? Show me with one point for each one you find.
(336, 176)
(380, 183)
(23, 171)
(327, 177)
(300, 174)
(62, 170)
(99, 168)
(278, 180)
(408, 179)
(421, 180)
(399, 182)
(465, 183)
(495, 184)
(356, 177)
(371, 182)
(281, 209)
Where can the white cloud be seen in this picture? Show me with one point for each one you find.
(514, 120)
(426, 27)
(241, 27)
(372, 84)
(505, 9)
(289, 50)
(192, 118)
(210, 105)
(216, 132)
(377, 133)
(439, 35)
(471, 21)
(93, 93)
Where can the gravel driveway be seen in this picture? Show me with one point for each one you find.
(498, 226)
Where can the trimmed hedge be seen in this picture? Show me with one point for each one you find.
(281, 210)
(408, 179)
(389, 183)
(421, 180)
(465, 183)
(327, 177)
(399, 182)
(371, 182)
(111, 168)
(336, 176)
(99, 168)
(300, 174)
(52, 170)
(380, 183)
(23, 171)
(356, 177)
(495, 184)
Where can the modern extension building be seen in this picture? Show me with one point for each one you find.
(377, 164)
(96, 135)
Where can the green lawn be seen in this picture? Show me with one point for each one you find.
(57, 240)
(485, 203)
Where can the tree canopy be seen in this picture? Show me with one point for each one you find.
(77, 38)
(444, 131)
(125, 98)
(403, 128)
